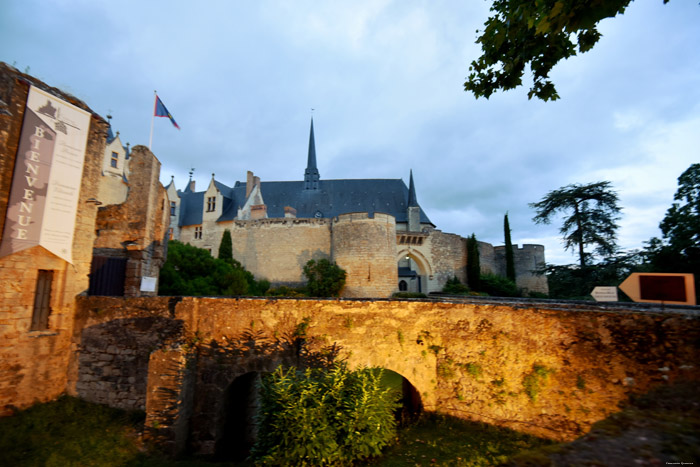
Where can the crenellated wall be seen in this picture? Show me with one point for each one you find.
(278, 249)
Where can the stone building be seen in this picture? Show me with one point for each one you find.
(375, 229)
(70, 210)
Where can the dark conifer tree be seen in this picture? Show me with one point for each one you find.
(473, 264)
(226, 247)
(510, 261)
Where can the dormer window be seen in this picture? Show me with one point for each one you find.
(115, 160)
(211, 203)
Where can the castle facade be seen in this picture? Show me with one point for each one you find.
(375, 229)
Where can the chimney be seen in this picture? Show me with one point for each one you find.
(248, 184)
(259, 211)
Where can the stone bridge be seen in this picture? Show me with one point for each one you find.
(546, 368)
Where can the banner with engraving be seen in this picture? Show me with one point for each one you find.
(48, 172)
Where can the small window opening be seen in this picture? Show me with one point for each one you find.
(115, 160)
(42, 301)
(211, 203)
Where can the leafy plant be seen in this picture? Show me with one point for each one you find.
(193, 271)
(533, 381)
(325, 279)
(499, 286)
(409, 295)
(455, 286)
(323, 416)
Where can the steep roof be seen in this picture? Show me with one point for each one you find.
(332, 198)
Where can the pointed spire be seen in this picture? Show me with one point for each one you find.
(311, 174)
(412, 200)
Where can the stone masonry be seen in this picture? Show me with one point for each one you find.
(33, 363)
(544, 368)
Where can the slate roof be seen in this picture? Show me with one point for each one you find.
(311, 197)
(332, 198)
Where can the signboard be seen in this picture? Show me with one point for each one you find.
(148, 284)
(604, 294)
(48, 171)
(671, 288)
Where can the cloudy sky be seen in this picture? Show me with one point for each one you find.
(386, 81)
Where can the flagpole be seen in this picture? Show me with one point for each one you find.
(153, 117)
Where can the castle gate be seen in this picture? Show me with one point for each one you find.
(546, 368)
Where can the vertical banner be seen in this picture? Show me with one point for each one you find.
(48, 172)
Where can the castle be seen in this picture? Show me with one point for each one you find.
(375, 229)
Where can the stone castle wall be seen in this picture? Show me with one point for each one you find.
(543, 369)
(449, 253)
(365, 247)
(33, 363)
(527, 259)
(278, 249)
(136, 228)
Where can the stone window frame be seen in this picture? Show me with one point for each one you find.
(173, 206)
(114, 163)
(211, 203)
(198, 232)
(42, 300)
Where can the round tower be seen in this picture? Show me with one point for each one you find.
(365, 247)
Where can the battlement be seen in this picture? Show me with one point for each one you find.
(364, 216)
(280, 221)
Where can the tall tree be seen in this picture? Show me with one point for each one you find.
(592, 220)
(679, 251)
(473, 264)
(535, 33)
(226, 247)
(510, 261)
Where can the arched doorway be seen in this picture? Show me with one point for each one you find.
(237, 428)
(412, 272)
(410, 400)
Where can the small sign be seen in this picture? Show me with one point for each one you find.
(148, 284)
(670, 288)
(604, 294)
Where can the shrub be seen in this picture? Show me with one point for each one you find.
(193, 271)
(454, 286)
(323, 416)
(498, 286)
(409, 295)
(325, 279)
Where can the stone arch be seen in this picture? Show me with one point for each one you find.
(418, 257)
(411, 401)
(237, 429)
(414, 268)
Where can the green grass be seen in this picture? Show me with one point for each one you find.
(71, 432)
(448, 441)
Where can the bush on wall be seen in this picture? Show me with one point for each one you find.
(325, 279)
